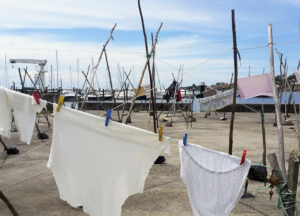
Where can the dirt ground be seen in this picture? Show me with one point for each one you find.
(29, 185)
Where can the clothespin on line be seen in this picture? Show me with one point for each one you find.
(160, 131)
(185, 139)
(36, 97)
(243, 157)
(108, 115)
(60, 102)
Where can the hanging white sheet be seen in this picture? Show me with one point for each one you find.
(215, 181)
(25, 109)
(215, 102)
(98, 167)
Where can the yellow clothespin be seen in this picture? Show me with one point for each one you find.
(160, 131)
(60, 102)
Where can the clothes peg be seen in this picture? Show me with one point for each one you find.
(243, 157)
(108, 114)
(160, 131)
(36, 97)
(185, 139)
(60, 102)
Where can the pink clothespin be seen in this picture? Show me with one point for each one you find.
(243, 157)
(36, 97)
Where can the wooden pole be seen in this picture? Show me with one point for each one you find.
(264, 139)
(153, 79)
(95, 68)
(142, 76)
(8, 204)
(111, 85)
(277, 107)
(292, 182)
(149, 70)
(235, 82)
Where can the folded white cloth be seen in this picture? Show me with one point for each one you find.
(215, 181)
(98, 167)
(25, 109)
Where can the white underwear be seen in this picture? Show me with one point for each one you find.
(215, 181)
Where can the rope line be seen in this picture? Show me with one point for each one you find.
(25, 153)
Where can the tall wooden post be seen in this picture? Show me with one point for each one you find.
(111, 85)
(292, 182)
(235, 82)
(277, 107)
(149, 70)
(264, 138)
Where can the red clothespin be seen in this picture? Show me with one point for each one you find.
(36, 97)
(243, 157)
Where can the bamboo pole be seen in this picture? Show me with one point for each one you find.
(235, 82)
(95, 68)
(111, 85)
(277, 107)
(142, 76)
(149, 70)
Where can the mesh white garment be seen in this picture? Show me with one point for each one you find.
(215, 181)
(215, 102)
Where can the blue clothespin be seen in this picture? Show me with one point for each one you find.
(108, 114)
(185, 139)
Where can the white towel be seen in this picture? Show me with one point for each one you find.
(98, 167)
(215, 181)
(25, 109)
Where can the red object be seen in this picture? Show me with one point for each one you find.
(243, 157)
(179, 95)
(36, 97)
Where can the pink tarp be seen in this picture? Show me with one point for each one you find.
(259, 85)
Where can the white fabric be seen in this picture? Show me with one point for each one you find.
(25, 109)
(5, 114)
(215, 181)
(297, 74)
(147, 91)
(98, 167)
(215, 102)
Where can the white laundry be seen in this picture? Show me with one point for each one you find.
(98, 167)
(215, 102)
(215, 181)
(5, 114)
(297, 74)
(25, 109)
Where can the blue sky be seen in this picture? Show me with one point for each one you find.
(192, 33)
